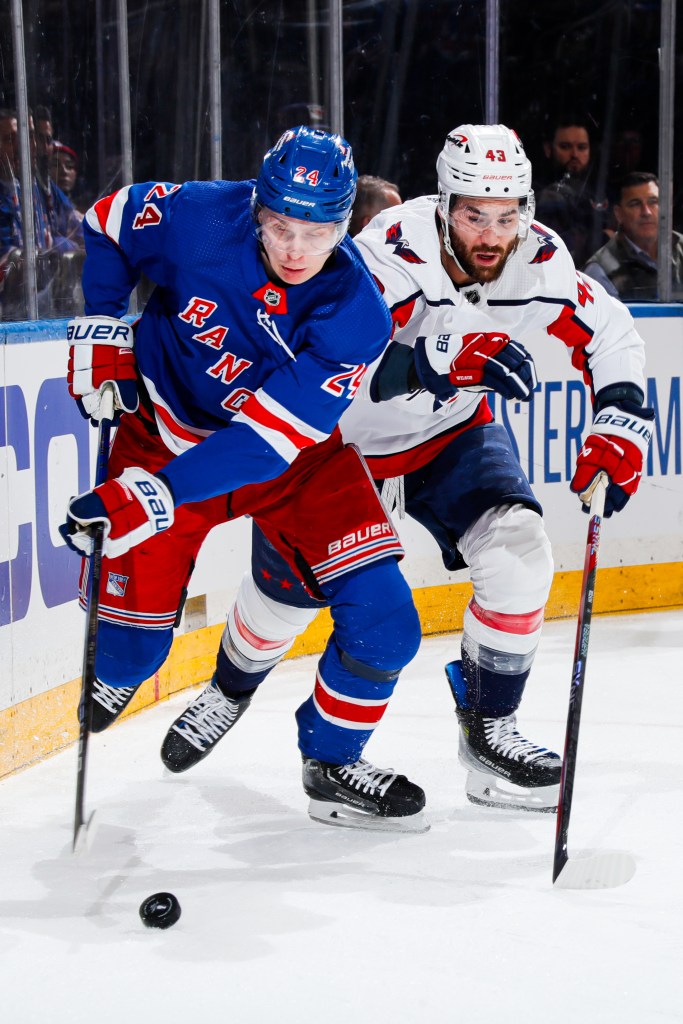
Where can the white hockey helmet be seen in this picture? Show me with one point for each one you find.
(486, 161)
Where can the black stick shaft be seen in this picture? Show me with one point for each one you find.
(578, 677)
(93, 604)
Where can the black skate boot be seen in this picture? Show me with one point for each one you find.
(204, 722)
(107, 704)
(359, 795)
(505, 770)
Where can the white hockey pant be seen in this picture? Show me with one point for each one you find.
(511, 567)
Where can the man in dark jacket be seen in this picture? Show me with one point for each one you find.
(568, 201)
(627, 265)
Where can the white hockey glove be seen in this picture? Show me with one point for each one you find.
(101, 351)
(133, 507)
(445, 363)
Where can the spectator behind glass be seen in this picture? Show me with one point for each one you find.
(65, 223)
(372, 196)
(44, 144)
(627, 265)
(11, 229)
(12, 299)
(58, 258)
(567, 202)
(64, 172)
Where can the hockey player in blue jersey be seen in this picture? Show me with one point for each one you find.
(229, 390)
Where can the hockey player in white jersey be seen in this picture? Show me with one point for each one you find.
(465, 274)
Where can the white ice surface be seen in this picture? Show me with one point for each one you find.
(284, 920)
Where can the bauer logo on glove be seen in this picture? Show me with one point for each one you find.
(612, 421)
(132, 508)
(104, 330)
(101, 352)
(617, 445)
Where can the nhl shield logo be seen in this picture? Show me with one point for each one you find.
(275, 299)
(116, 584)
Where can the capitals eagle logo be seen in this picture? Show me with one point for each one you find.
(401, 244)
(547, 247)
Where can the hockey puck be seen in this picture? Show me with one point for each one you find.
(160, 910)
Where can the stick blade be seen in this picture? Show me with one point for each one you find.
(83, 837)
(602, 871)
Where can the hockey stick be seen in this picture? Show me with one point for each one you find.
(82, 826)
(603, 870)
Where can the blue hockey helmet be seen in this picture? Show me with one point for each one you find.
(308, 174)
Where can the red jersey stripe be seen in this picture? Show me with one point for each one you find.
(569, 329)
(174, 427)
(253, 410)
(102, 208)
(382, 467)
(401, 314)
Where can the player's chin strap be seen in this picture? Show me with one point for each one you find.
(446, 239)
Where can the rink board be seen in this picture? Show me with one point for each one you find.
(47, 453)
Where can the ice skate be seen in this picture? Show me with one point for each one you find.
(107, 703)
(204, 722)
(505, 770)
(361, 796)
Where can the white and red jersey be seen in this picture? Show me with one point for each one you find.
(539, 288)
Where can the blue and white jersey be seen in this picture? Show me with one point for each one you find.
(255, 370)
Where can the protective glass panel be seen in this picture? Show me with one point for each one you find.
(579, 81)
(412, 72)
(57, 65)
(272, 57)
(676, 197)
(271, 75)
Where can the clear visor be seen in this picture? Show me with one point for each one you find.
(292, 236)
(471, 215)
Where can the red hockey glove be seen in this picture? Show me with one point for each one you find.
(482, 362)
(617, 445)
(101, 351)
(133, 507)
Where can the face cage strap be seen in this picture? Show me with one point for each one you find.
(446, 239)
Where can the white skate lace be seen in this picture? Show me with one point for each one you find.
(364, 776)
(207, 718)
(502, 736)
(111, 697)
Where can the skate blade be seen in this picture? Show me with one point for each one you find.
(328, 813)
(487, 791)
(601, 871)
